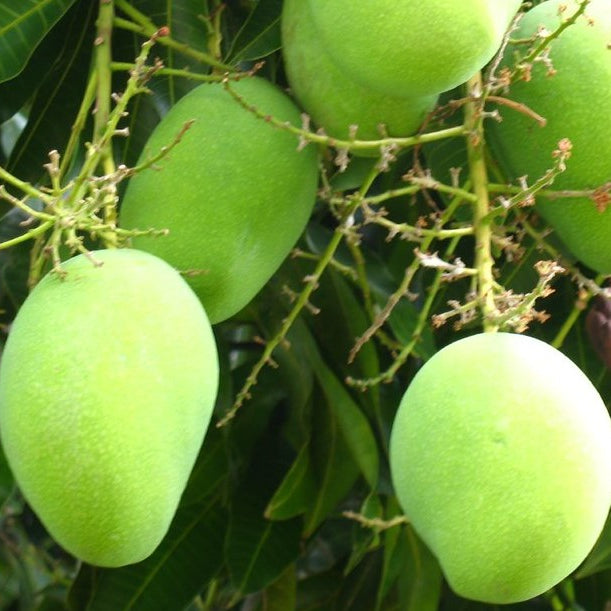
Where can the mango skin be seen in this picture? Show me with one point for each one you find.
(577, 105)
(501, 459)
(332, 99)
(235, 193)
(412, 47)
(107, 385)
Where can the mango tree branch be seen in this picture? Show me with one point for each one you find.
(484, 261)
(302, 301)
(147, 28)
(103, 59)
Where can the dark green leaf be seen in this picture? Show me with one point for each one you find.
(260, 34)
(358, 591)
(186, 20)
(6, 479)
(365, 539)
(211, 469)
(282, 594)
(188, 557)
(334, 466)
(353, 424)
(419, 576)
(341, 320)
(296, 490)
(259, 550)
(58, 98)
(22, 26)
(599, 559)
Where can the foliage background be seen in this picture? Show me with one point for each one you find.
(290, 505)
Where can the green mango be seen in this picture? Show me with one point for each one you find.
(107, 385)
(500, 455)
(235, 193)
(576, 102)
(330, 96)
(412, 48)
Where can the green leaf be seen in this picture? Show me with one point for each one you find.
(57, 100)
(22, 26)
(296, 490)
(260, 34)
(187, 559)
(358, 590)
(185, 19)
(342, 318)
(15, 92)
(353, 424)
(333, 464)
(258, 550)
(599, 559)
(365, 539)
(419, 578)
(282, 594)
(6, 479)
(210, 471)
(14, 263)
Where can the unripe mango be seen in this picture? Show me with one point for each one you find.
(412, 47)
(107, 385)
(235, 193)
(501, 459)
(576, 103)
(333, 99)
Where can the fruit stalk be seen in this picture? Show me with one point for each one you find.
(148, 28)
(484, 261)
(103, 59)
(302, 300)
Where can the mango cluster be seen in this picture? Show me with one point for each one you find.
(379, 67)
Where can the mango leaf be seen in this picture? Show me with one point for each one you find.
(258, 550)
(282, 594)
(57, 99)
(365, 539)
(319, 592)
(22, 26)
(340, 321)
(358, 590)
(14, 93)
(333, 465)
(187, 559)
(296, 490)
(210, 471)
(382, 283)
(260, 34)
(599, 559)
(187, 26)
(6, 479)
(419, 576)
(593, 592)
(354, 426)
